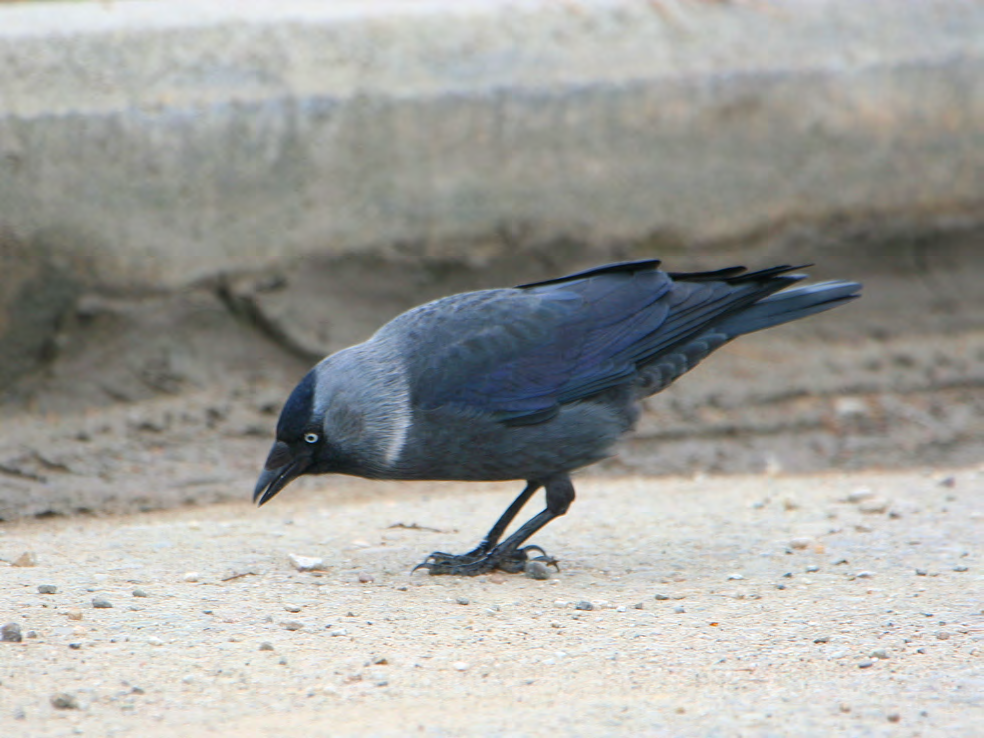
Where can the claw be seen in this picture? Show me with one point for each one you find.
(544, 556)
(479, 561)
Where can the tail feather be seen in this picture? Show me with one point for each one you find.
(788, 305)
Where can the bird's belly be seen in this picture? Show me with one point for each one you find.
(448, 444)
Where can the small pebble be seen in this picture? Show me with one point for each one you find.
(661, 597)
(305, 563)
(266, 646)
(366, 578)
(948, 482)
(11, 633)
(893, 717)
(866, 664)
(73, 614)
(960, 567)
(101, 603)
(64, 701)
(28, 558)
(338, 632)
(292, 625)
(496, 578)
(943, 635)
(292, 608)
(583, 605)
(639, 606)
(155, 641)
(735, 576)
(859, 495)
(47, 589)
(192, 576)
(812, 568)
(874, 506)
(851, 407)
(921, 572)
(461, 665)
(822, 639)
(879, 653)
(463, 601)
(864, 575)
(140, 593)
(537, 570)
(380, 661)
(679, 609)
(75, 646)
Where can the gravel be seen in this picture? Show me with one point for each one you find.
(306, 563)
(11, 633)
(747, 659)
(64, 701)
(28, 558)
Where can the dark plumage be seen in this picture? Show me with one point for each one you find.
(526, 383)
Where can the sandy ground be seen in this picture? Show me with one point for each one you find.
(846, 604)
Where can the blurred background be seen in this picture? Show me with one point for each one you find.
(200, 199)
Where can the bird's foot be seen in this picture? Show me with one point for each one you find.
(480, 561)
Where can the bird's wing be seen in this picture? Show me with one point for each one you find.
(520, 354)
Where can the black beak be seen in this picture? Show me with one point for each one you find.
(281, 467)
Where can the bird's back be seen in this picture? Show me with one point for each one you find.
(548, 374)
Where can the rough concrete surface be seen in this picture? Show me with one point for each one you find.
(765, 605)
(152, 145)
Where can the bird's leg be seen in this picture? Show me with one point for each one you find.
(491, 538)
(508, 556)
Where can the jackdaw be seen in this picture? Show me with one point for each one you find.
(526, 383)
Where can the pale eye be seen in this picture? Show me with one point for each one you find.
(310, 437)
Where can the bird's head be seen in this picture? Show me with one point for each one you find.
(300, 447)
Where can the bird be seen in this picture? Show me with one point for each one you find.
(526, 383)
